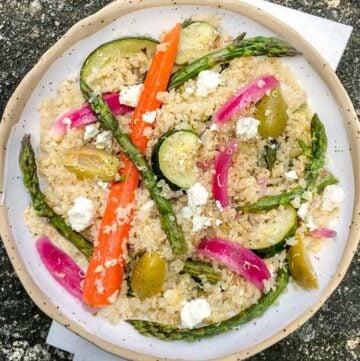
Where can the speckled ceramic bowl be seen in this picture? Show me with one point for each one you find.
(63, 60)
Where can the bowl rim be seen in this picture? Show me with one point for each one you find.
(94, 23)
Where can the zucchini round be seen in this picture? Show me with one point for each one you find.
(174, 158)
(196, 39)
(272, 232)
(108, 54)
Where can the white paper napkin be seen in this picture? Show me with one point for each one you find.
(330, 39)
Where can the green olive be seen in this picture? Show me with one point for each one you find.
(300, 266)
(148, 275)
(91, 163)
(271, 111)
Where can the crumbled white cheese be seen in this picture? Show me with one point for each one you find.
(332, 197)
(130, 95)
(149, 117)
(200, 222)
(194, 312)
(90, 131)
(304, 214)
(81, 214)
(186, 213)
(247, 128)
(103, 140)
(207, 82)
(291, 175)
(218, 222)
(303, 211)
(197, 195)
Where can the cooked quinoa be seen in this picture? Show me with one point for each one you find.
(249, 180)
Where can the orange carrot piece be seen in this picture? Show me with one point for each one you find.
(103, 277)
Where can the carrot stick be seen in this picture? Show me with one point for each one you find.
(106, 268)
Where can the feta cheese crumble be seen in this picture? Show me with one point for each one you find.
(149, 117)
(91, 131)
(194, 312)
(197, 195)
(130, 95)
(304, 214)
(247, 128)
(207, 82)
(81, 214)
(291, 175)
(103, 140)
(332, 197)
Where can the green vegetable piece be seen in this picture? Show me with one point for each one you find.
(108, 54)
(91, 163)
(171, 333)
(28, 167)
(272, 113)
(270, 202)
(196, 39)
(201, 270)
(305, 148)
(273, 231)
(166, 213)
(257, 46)
(174, 158)
(318, 151)
(148, 275)
(326, 181)
(269, 155)
(300, 265)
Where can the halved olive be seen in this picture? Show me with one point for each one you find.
(272, 113)
(148, 275)
(300, 265)
(91, 163)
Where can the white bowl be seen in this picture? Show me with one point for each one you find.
(64, 60)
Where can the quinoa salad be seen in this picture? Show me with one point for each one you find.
(183, 181)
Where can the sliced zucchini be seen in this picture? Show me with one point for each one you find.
(174, 158)
(273, 231)
(300, 265)
(196, 39)
(108, 54)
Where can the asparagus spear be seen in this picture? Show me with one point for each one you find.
(171, 333)
(270, 202)
(28, 167)
(318, 150)
(326, 181)
(166, 213)
(260, 45)
(200, 270)
(317, 161)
